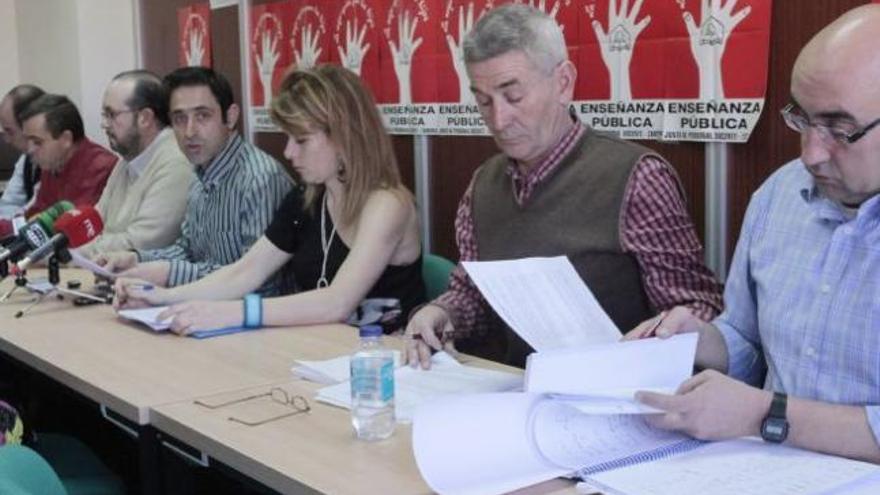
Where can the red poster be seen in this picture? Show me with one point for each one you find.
(269, 54)
(687, 70)
(194, 33)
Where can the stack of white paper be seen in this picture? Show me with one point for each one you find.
(415, 386)
(494, 443)
(329, 371)
(747, 466)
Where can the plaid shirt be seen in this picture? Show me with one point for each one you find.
(655, 228)
(803, 296)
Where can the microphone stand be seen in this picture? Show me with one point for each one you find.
(61, 255)
(21, 281)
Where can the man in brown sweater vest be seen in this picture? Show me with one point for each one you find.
(616, 209)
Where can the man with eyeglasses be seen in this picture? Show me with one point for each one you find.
(237, 190)
(616, 209)
(795, 357)
(73, 168)
(145, 198)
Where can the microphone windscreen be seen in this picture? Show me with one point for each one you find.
(80, 225)
(47, 217)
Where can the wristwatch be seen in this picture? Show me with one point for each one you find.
(774, 428)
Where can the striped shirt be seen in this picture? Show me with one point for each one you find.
(803, 296)
(229, 205)
(656, 229)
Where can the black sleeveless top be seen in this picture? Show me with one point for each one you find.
(298, 232)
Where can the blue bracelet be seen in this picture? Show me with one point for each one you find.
(253, 311)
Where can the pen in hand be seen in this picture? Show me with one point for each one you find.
(653, 330)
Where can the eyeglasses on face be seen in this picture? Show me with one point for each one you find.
(298, 403)
(840, 133)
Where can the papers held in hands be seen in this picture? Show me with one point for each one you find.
(603, 379)
(81, 261)
(544, 301)
(150, 318)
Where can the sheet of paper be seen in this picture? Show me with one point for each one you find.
(479, 444)
(147, 316)
(329, 371)
(544, 301)
(81, 261)
(40, 285)
(746, 466)
(414, 387)
(571, 439)
(603, 379)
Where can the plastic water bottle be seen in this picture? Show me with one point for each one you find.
(372, 387)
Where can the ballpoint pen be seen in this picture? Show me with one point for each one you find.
(656, 325)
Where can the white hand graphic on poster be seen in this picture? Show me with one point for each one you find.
(709, 39)
(307, 56)
(195, 36)
(355, 50)
(542, 6)
(196, 51)
(618, 43)
(465, 24)
(402, 54)
(267, 34)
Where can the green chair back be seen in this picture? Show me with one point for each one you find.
(25, 472)
(435, 271)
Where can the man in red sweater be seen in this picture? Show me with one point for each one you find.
(73, 167)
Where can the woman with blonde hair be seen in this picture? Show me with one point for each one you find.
(352, 235)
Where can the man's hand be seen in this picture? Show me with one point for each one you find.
(709, 39)
(710, 406)
(667, 324)
(618, 43)
(402, 54)
(116, 261)
(307, 56)
(353, 56)
(465, 24)
(203, 315)
(154, 272)
(427, 330)
(134, 293)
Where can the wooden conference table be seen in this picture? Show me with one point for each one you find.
(148, 382)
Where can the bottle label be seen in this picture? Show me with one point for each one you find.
(387, 375)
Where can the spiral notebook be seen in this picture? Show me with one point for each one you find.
(503, 442)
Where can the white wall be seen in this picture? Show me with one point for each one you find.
(106, 48)
(48, 45)
(72, 47)
(8, 46)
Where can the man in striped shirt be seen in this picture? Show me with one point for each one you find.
(631, 240)
(233, 199)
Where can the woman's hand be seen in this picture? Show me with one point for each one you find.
(204, 315)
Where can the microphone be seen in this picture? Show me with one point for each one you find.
(35, 233)
(74, 228)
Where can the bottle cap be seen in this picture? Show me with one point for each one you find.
(371, 331)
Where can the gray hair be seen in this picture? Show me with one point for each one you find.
(513, 27)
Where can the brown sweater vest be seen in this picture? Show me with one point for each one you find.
(575, 212)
